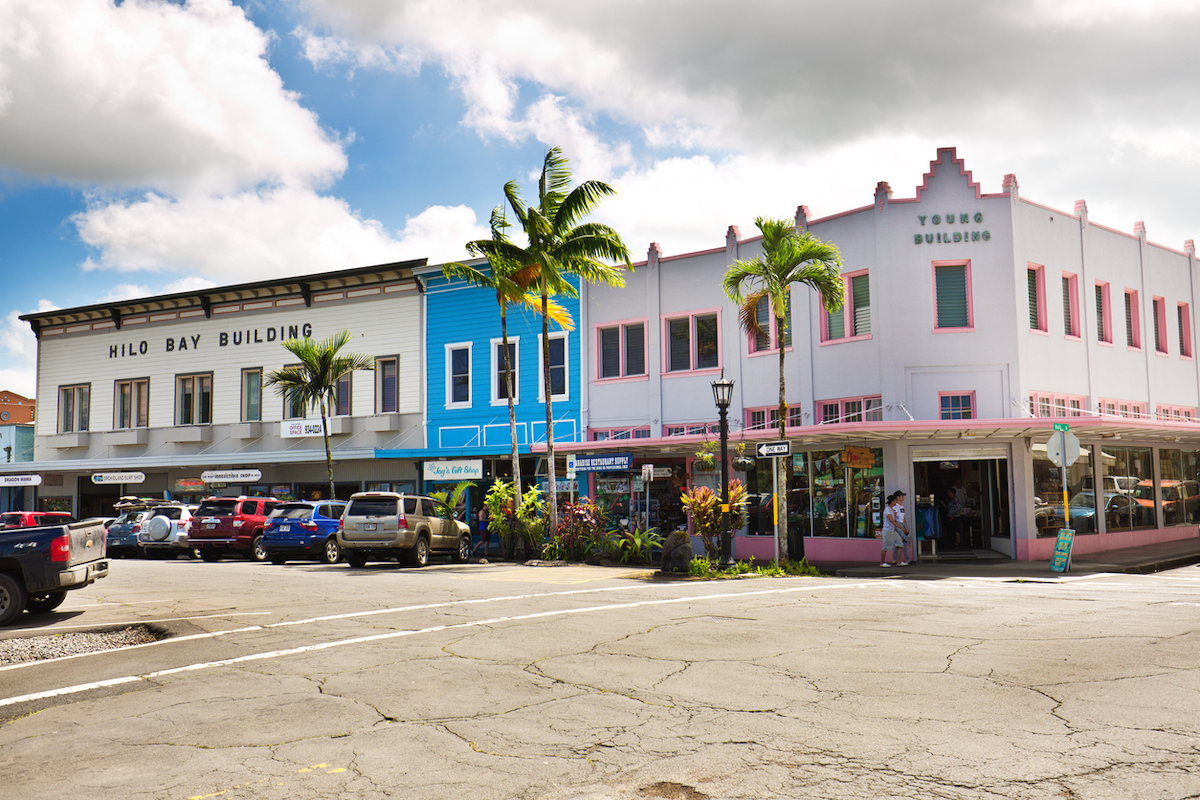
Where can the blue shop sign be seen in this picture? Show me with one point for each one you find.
(609, 462)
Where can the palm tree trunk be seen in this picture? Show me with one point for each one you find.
(551, 472)
(328, 452)
(781, 491)
(512, 410)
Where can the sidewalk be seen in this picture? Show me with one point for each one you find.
(1138, 560)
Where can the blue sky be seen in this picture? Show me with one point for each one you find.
(152, 146)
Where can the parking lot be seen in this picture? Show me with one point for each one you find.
(499, 680)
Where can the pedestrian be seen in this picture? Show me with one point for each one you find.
(894, 531)
(485, 535)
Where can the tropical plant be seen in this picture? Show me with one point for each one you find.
(788, 256)
(512, 282)
(580, 532)
(313, 382)
(447, 501)
(559, 245)
(635, 547)
(704, 505)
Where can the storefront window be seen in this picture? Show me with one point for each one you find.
(847, 490)
(1048, 493)
(1179, 487)
(1129, 488)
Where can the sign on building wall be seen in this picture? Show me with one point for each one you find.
(101, 478)
(466, 470)
(20, 480)
(609, 462)
(231, 476)
(300, 428)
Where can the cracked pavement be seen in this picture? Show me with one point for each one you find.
(586, 683)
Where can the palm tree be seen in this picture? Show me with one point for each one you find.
(313, 382)
(788, 256)
(511, 282)
(560, 245)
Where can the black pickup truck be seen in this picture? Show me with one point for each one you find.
(38, 566)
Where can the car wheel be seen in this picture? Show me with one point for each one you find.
(464, 550)
(356, 560)
(257, 551)
(210, 555)
(280, 560)
(332, 551)
(12, 598)
(197, 553)
(418, 555)
(41, 603)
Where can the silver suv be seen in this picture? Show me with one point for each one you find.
(164, 533)
(378, 526)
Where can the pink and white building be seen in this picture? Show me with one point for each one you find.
(974, 321)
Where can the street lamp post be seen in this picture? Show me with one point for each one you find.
(722, 394)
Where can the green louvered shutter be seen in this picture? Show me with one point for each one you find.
(1031, 277)
(952, 296)
(860, 291)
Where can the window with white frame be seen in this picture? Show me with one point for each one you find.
(342, 395)
(73, 408)
(193, 399)
(458, 375)
(498, 384)
(767, 418)
(1046, 404)
(252, 381)
(1177, 413)
(952, 296)
(775, 332)
(559, 371)
(851, 409)
(387, 384)
(132, 404)
(294, 406)
(621, 350)
(692, 342)
(1123, 408)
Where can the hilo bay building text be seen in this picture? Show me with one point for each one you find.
(973, 322)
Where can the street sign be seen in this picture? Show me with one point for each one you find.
(1063, 449)
(571, 467)
(647, 472)
(1061, 561)
(773, 449)
(1062, 426)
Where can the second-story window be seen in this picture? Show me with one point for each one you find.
(1133, 325)
(458, 375)
(853, 319)
(193, 400)
(132, 406)
(692, 343)
(252, 394)
(957, 406)
(622, 350)
(499, 385)
(73, 408)
(1103, 320)
(294, 406)
(1160, 324)
(1036, 281)
(387, 383)
(776, 333)
(1070, 292)
(342, 394)
(1185, 330)
(558, 367)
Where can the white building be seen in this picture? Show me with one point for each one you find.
(973, 323)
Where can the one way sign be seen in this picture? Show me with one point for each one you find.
(773, 449)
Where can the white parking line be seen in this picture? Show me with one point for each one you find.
(401, 634)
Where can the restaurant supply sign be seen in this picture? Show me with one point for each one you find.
(609, 462)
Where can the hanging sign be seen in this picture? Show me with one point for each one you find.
(100, 478)
(465, 470)
(858, 457)
(231, 476)
(20, 480)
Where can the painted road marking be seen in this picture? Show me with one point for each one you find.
(380, 637)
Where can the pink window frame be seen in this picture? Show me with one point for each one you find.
(1106, 311)
(1185, 330)
(1040, 281)
(819, 407)
(775, 339)
(1076, 331)
(665, 344)
(970, 394)
(966, 264)
(1136, 410)
(1158, 307)
(591, 433)
(847, 311)
(1133, 320)
(793, 410)
(1177, 413)
(709, 428)
(1056, 401)
(620, 325)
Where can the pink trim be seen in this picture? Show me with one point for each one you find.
(840, 214)
(665, 344)
(1053, 403)
(1185, 335)
(1125, 409)
(1133, 322)
(954, 159)
(970, 394)
(620, 326)
(1051, 209)
(1176, 413)
(1042, 548)
(1039, 272)
(1073, 300)
(701, 252)
(819, 408)
(1106, 310)
(1158, 307)
(774, 351)
(845, 339)
(933, 265)
(746, 423)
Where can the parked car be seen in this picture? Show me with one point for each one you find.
(231, 525)
(33, 519)
(40, 564)
(1121, 510)
(1180, 499)
(381, 526)
(123, 532)
(164, 533)
(304, 530)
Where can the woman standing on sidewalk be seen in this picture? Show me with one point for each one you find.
(894, 531)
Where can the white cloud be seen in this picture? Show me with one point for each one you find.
(18, 349)
(151, 94)
(331, 51)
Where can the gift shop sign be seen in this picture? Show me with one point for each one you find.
(466, 470)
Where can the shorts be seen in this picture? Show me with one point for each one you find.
(892, 539)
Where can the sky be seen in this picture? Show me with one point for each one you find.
(149, 147)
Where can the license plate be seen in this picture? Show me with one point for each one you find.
(369, 526)
(285, 528)
(210, 525)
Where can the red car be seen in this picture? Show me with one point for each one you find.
(33, 519)
(231, 525)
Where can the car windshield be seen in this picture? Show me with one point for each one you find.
(1084, 500)
(169, 512)
(292, 512)
(372, 507)
(13, 518)
(129, 516)
(217, 508)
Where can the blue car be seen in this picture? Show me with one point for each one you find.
(123, 533)
(304, 530)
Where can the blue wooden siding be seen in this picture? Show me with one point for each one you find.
(457, 312)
